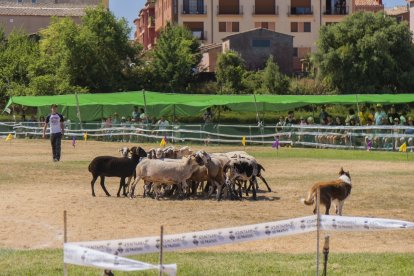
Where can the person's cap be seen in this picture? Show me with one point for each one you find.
(53, 105)
(379, 105)
(123, 118)
(396, 119)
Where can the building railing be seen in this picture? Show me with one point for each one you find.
(300, 10)
(237, 10)
(201, 35)
(338, 10)
(198, 10)
(272, 11)
(388, 138)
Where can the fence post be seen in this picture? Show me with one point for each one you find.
(161, 248)
(318, 223)
(65, 240)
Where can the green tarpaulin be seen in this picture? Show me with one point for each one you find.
(96, 106)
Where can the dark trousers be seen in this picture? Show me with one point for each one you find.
(55, 140)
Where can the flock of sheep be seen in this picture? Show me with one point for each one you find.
(171, 172)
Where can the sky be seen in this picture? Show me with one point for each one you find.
(130, 8)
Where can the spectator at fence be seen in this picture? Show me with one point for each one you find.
(135, 114)
(409, 132)
(208, 116)
(363, 116)
(323, 115)
(403, 118)
(396, 132)
(379, 115)
(162, 125)
(115, 120)
(290, 119)
(143, 117)
(280, 124)
(392, 115)
(350, 116)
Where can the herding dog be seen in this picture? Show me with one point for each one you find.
(336, 190)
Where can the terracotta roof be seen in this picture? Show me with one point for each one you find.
(396, 11)
(254, 30)
(207, 47)
(367, 3)
(28, 9)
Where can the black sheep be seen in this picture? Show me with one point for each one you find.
(122, 167)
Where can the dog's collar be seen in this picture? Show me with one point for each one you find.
(345, 179)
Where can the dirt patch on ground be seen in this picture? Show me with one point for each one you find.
(35, 191)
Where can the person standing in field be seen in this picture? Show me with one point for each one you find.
(57, 130)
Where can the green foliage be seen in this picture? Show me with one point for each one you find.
(274, 82)
(309, 86)
(16, 56)
(229, 72)
(252, 82)
(366, 53)
(175, 58)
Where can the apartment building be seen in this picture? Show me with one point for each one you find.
(400, 13)
(34, 15)
(368, 5)
(213, 20)
(145, 26)
(411, 14)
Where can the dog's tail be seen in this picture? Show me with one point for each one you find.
(310, 199)
(312, 191)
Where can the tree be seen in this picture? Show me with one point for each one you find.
(366, 53)
(229, 72)
(17, 54)
(274, 82)
(95, 55)
(175, 58)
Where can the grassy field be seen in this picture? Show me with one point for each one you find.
(49, 262)
(35, 191)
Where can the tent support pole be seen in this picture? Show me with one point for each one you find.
(359, 119)
(257, 112)
(78, 113)
(145, 103)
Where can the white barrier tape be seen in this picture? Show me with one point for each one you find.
(77, 255)
(204, 238)
(362, 223)
(242, 233)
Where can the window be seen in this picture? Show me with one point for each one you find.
(294, 27)
(295, 52)
(300, 27)
(229, 27)
(235, 27)
(261, 43)
(307, 27)
(34, 1)
(19, 1)
(222, 27)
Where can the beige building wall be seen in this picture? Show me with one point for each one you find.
(29, 24)
(280, 22)
(411, 12)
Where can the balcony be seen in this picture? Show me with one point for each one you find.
(338, 10)
(200, 35)
(300, 10)
(261, 11)
(235, 10)
(198, 11)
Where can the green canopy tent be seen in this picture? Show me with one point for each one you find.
(96, 106)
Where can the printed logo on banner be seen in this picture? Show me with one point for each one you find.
(120, 249)
(404, 225)
(195, 241)
(231, 236)
(334, 225)
(267, 230)
(302, 224)
(83, 257)
(116, 262)
(136, 246)
(108, 248)
(157, 245)
(283, 228)
(366, 226)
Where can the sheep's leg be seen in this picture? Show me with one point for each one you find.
(253, 183)
(132, 195)
(94, 177)
(103, 185)
(127, 188)
(121, 185)
(265, 182)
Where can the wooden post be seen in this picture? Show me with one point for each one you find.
(318, 223)
(325, 254)
(161, 248)
(65, 240)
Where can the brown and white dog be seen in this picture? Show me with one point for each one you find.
(336, 191)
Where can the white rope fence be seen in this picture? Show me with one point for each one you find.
(320, 136)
